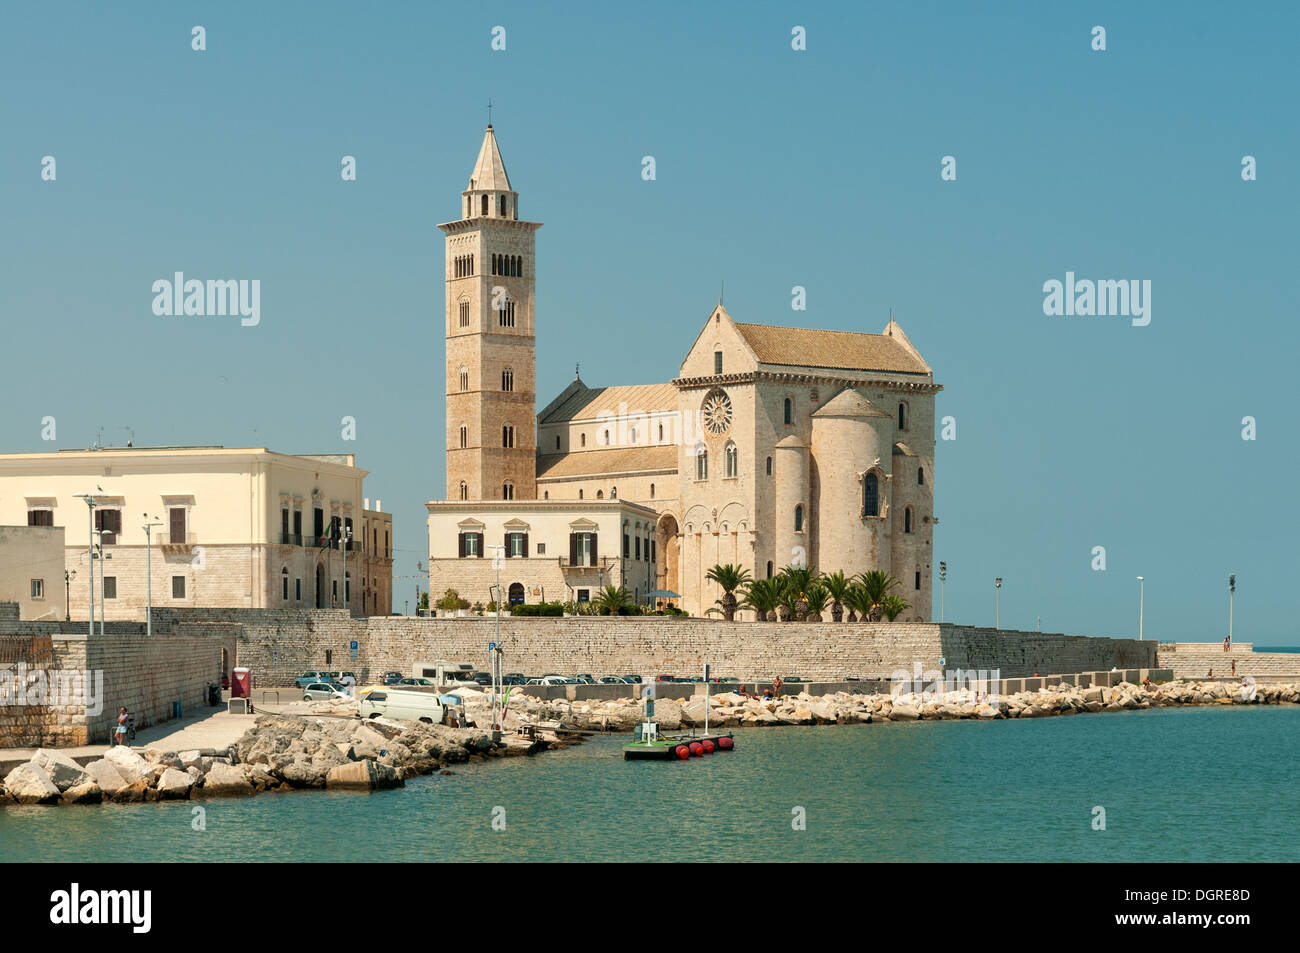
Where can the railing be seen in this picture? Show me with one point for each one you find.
(582, 562)
(291, 539)
(167, 538)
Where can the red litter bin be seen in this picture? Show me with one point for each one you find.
(242, 685)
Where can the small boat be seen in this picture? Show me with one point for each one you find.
(648, 745)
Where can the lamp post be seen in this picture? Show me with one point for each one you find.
(148, 572)
(102, 556)
(943, 579)
(1141, 604)
(1232, 588)
(344, 543)
(419, 568)
(67, 594)
(997, 586)
(90, 550)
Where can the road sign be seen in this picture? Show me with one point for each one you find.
(492, 646)
(353, 646)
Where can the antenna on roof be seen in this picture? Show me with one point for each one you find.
(576, 366)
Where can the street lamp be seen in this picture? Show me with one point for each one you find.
(419, 568)
(943, 578)
(102, 556)
(148, 572)
(67, 594)
(1232, 588)
(90, 549)
(997, 585)
(1141, 601)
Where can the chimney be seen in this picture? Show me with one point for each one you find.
(367, 502)
(379, 506)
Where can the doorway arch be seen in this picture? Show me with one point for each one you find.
(516, 593)
(320, 586)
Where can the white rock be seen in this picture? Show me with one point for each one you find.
(130, 765)
(174, 784)
(29, 784)
(62, 770)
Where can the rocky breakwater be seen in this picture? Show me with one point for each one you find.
(731, 710)
(279, 753)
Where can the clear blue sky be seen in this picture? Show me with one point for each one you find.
(775, 169)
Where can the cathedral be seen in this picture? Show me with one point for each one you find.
(772, 447)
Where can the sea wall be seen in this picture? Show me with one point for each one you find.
(1198, 659)
(124, 667)
(279, 645)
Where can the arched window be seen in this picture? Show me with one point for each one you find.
(464, 437)
(469, 206)
(769, 466)
(557, 441)
(605, 439)
(546, 494)
(508, 436)
(507, 490)
(507, 379)
(661, 433)
(613, 493)
(789, 410)
(464, 314)
(503, 206)
(652, 491)
(631, 436)
(579, 494)
(464, 378)
(902, 416)
(485, 205)
(920, 476)
(284, 584)
(464, 490)
(798, 518)
(731, 460)
(701, 463)
(769, 569)
(600, 494)
(907, 520)
(871, 495)
(582, 439)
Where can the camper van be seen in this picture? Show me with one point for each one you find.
(403, 705)
(446, 674)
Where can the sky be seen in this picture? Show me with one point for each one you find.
(775, 168)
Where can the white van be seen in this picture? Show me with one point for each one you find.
(403, 705)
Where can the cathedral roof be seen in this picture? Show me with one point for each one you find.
(608, 461)
(842, 350)
(903, 450)
(489, 172)
(587, 403)
(848, 403)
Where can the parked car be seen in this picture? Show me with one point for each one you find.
(303, 681)
(514, 680)
(417, 682)
(403, 706)
(632, 679)
(611, 680)
(584, 679)
(391, 678)
(667, 678)
(549, 680)
(483, 678)
(323, 691)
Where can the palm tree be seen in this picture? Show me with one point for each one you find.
(893, 606)
(876, 587)
(817, 597)
(610, 600)
(761, 595)
(729, 578)
(836, 586)
(856, 601)
(797, 580)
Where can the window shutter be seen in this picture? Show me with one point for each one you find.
(525, 553)
(480, 545)
(573, 548)
(460, 545)
(507, 541)
(594, 561)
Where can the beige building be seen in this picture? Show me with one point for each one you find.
(31, 571)
(772, 447)
(244, 528)
(377, 562)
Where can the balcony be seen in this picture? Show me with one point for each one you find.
(291, 539)
(583, 562)
(177, 542)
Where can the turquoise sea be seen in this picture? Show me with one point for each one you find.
(1205, 784)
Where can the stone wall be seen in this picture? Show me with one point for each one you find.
(1198, 659)
(146, 674)
(279, 646)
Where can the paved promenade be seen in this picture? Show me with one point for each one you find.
(206, 728)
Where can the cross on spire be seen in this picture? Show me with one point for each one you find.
(489, 113)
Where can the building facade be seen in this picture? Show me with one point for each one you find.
(31, 572)
(239, 528)
(772, 446)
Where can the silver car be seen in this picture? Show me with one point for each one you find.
(320, 691)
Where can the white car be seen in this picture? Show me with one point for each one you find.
(319, 691)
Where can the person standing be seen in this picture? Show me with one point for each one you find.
(119, 734)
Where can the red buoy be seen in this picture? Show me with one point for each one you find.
(708, 746)
(697, 749)
(682, 752)
(725, 744)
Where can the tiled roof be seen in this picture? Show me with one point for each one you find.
(611, 460)
(587, 403)
(843, 350)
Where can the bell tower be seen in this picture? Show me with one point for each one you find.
(491, 339)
